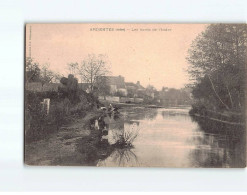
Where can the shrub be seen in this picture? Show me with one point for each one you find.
(62, 110)
(126, 137)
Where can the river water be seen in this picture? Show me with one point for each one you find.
(171, 138)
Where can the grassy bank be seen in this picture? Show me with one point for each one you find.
(220, 121)
(73, 144)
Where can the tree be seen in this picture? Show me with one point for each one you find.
(37, 73)
(218, 62)
(69, 88)
(57, 77)
(46, 75)
(32, 71)
(102, 86)
(92, 69)
(73, 68)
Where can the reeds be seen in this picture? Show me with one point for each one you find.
(126, 137)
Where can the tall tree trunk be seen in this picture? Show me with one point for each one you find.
(239, 101)
(229, 96)
(217, 93)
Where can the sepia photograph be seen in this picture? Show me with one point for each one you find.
(135, 95)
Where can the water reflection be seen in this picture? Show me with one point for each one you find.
(120, 158)
(216, 150)
(124, 137)
(170, 138)
(139, 114)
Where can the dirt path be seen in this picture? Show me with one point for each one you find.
(60, 146)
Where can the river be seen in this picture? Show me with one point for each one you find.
(171, 138)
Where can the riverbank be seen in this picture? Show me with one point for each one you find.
(219, 122)
(72, 144)
(123, 105)
(120, 105)
(226, 117)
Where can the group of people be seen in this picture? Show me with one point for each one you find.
(110, 109)
(103, 121)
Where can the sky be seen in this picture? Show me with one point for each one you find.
(153, 54)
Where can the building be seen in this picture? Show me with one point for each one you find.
(135, 90)
(116, 84)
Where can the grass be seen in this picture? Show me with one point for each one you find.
(126, 138)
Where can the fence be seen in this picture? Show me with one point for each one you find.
(37, 86)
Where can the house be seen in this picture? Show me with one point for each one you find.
(116, 84)
(139, 86)
(135, 90)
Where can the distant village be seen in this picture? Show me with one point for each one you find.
(116, 90)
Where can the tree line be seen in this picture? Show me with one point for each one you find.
(40, 73)
(91, 71)
(217, 59)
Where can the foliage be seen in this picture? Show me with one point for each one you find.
(46, 75)
(38, 124)
(101, 86)
(218, 63)
(32, 70)
(126, 137)
(37, 73)
(73, 67)
(92, 68)
(174, 97)
(70, 88)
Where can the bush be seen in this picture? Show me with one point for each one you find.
(38, 124)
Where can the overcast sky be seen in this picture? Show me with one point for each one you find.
(151, 57)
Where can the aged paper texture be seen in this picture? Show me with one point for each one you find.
(136, 95)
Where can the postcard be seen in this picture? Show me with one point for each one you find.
(136, 95)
